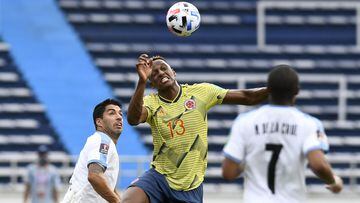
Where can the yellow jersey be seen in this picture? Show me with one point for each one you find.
(179, 129)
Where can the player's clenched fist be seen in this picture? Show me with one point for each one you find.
(143, 67)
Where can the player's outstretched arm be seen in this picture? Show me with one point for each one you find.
(98, 182)
(246, 96)
(136, 112)
(230, 169)
(322, 169)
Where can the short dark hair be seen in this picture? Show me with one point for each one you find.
(100, 108)
(283, 83)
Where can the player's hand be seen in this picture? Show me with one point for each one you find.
(337, 186)
(143, 67)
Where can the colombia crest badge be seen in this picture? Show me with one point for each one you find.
(190, 104)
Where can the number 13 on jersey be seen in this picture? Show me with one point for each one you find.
(172, 125)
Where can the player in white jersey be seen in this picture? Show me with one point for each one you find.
(272, 145)
(96, 172)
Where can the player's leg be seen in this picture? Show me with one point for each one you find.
(146, 189)
(134, 195)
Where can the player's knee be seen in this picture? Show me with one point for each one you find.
(134, 195)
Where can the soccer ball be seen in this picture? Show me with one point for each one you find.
(183, 19)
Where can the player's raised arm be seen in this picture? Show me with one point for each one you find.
(322, 169)
(246, 96)
(136, 112)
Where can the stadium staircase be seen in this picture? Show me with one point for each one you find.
(319, 42)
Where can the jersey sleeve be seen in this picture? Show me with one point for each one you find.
(235, 147)
(214, 94)
(97, 150)
(315, 139)
(321, 135)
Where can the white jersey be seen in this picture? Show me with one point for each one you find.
(99, 148)
(272, 142)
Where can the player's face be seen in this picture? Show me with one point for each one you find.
(162, 75)
(112, 121)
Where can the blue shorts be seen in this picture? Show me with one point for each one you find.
(158, 190)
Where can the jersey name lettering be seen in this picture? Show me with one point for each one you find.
(269, 128)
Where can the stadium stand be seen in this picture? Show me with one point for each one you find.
(24, 125)
(319, 41)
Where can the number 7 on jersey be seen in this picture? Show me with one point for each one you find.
(275, 149)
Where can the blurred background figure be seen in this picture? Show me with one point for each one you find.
(42, 180)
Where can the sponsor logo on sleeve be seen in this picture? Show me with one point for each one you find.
(321, 136)
(104, 148)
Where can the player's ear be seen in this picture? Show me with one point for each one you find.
(297, 90)
(268, 89)
(99, 122)
(174, 72)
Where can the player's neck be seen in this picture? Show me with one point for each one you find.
(282, 103)
(114, 138)
(171, 93)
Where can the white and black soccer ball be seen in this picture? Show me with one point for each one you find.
(183, 19)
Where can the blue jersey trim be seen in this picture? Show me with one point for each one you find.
(232, 158)
(102, 164)
(318, 147)
(105, 139)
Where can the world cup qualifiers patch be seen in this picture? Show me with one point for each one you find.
(321, 136)
(104, 148)
(190, 104)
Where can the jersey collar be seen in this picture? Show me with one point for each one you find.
(176, 98)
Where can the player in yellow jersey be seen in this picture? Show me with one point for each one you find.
(177, 115)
